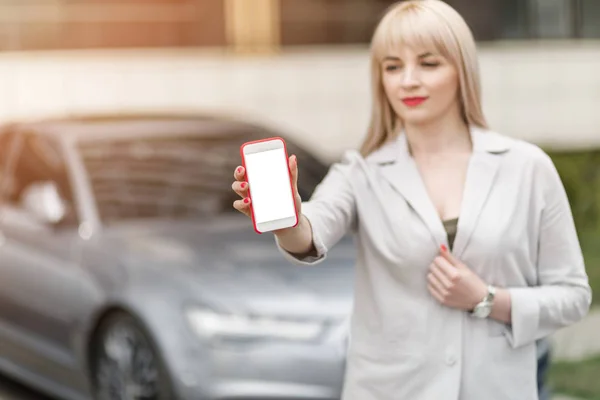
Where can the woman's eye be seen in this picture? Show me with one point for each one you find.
(391, 67)
(430, 64)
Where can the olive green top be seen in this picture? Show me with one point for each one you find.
(450, 226)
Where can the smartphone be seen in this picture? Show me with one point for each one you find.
(268, 174)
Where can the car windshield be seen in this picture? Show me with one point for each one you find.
(170, 176)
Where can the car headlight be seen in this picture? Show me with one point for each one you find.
(210, 324)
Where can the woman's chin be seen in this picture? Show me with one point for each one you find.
(417, 117)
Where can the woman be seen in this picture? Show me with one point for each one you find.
(467, 250)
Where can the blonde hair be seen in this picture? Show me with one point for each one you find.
(431, 24)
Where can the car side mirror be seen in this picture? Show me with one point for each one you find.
(43, 201)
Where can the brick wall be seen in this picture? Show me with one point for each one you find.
(66, 24)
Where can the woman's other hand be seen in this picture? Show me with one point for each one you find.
(453, 284)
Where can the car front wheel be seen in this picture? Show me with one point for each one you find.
(126, 364)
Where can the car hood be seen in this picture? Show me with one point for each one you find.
(227, 264)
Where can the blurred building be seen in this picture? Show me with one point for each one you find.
(76, 24)
(300, 65)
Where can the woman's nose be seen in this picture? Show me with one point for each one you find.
(410, 78)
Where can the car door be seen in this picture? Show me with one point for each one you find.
(44, 292)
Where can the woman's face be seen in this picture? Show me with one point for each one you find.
(421, 86)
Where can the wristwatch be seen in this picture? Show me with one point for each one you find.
(484, 308)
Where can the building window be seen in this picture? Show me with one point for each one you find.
(552, 19)
(590, 18)
(514, 17)
(306, 22)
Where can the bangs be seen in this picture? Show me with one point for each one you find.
(414, 27)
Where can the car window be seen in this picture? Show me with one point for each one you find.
(36, 188)
(172, 176)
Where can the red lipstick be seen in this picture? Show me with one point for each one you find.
(413, 101)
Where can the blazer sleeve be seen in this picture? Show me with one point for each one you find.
(563, 296)
(331, 211)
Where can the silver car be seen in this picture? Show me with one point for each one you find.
(126, 274)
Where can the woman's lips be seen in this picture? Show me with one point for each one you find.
(413, 101)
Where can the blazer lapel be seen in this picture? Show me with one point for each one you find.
(480, 177)
(481, 173)
(400, 170)
(403, 175)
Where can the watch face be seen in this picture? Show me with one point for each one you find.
(482, 310)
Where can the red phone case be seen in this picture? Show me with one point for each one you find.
(289, 175)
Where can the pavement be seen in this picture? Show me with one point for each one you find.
(578, 341)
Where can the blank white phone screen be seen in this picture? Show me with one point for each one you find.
(270, 189)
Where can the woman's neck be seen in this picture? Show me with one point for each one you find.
(441, 136)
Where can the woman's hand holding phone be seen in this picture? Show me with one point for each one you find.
(296, 240)
(240, 186)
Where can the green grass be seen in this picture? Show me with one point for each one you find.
(590, 244)
(579, 379)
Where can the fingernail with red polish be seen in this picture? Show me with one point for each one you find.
(239, 170)
(243, 185)
(246, 200)
(444, 248)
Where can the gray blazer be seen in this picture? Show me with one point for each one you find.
(515, 231)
